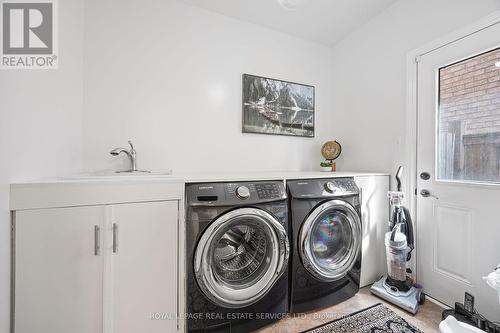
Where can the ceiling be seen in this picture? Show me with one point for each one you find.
(322, 21)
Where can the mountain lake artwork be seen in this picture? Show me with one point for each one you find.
(277, 107)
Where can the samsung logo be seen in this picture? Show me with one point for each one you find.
(205, 187)
(302, 183)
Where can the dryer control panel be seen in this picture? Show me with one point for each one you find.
(347, 185)
(317, 188)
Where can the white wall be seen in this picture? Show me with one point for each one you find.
(370, 76)
(168, 76)
(40, 127)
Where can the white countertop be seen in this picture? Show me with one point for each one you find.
(199, 177)
(86, 190)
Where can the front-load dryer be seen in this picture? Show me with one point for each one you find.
(237, 255)
(326, 229)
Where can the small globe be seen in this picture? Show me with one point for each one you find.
(331, 150)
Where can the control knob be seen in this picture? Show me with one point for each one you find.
(243, 192)
(330, 187)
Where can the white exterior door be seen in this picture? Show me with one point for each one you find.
(58, 270)
(143, 247)
(458, 169)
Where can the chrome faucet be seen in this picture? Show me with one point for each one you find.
(132, 154)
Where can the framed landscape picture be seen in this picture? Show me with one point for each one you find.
(278, 107)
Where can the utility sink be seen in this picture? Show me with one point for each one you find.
(110, 175)
(132, 173)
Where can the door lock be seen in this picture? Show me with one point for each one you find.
(427, 193)
(425, 176)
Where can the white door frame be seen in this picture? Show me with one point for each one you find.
(412, 61)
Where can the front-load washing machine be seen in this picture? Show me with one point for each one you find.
(326, 228)
(237, 252)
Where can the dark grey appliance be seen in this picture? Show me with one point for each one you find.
(237, 252)
(326, 229)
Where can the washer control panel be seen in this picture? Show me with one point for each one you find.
(268, 190)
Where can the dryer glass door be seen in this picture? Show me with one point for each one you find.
(330, 240)
(240, 256)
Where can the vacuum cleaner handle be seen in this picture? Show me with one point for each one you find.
(398, 177)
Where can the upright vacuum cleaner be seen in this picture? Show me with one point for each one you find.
(397, 287)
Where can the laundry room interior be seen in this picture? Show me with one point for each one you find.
(249, 166)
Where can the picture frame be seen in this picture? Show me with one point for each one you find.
(277, 107)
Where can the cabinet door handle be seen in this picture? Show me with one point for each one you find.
(97, 240)
(115, 238)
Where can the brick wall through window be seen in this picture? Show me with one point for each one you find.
(469, 119)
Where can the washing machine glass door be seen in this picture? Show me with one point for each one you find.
(330, 240)
(240, 256)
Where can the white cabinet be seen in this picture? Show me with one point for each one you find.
(144, 267)
(375, 219)
(106, 268)
(58, 276)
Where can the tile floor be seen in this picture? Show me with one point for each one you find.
(427, 318)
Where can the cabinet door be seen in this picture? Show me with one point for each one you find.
(144, 269)
(375, 218)
(58, 270)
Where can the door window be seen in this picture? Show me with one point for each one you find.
(468, 145)
(329, 240)
(240, 256)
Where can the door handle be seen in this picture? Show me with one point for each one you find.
(427, 193)
(115, 237)
(97, 240)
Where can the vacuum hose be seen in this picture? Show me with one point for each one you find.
(408, 224)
